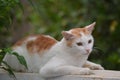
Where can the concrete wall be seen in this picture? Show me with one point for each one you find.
(98, 75)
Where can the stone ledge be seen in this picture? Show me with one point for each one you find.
(98, 75)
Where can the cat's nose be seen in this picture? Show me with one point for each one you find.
(88, 50)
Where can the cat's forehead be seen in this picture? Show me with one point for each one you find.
(79, 32)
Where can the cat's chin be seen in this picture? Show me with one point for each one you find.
(86, 53)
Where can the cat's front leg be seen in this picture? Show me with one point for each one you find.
(64, 70)
(93, 66)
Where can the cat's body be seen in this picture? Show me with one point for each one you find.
(56, 58)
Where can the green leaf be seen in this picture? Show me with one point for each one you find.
(2, 54)
(9, 70)
(7, 50)
(21, 59)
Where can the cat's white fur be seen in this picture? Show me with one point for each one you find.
(59, 60)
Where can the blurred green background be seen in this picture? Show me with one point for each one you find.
(19, 18)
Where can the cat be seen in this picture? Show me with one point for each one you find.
(51, 58)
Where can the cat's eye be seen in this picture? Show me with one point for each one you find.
(79, 44)
(89, 41)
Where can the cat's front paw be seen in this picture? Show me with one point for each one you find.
(84, 71)
(97, 67)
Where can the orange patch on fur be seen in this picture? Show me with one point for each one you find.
(40, 44)
(22, 41)
(19, 43)
(30, 46)
(76, 31)
(69, 43)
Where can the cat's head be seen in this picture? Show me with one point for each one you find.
(80, 39)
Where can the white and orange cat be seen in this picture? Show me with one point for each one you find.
(53, 58)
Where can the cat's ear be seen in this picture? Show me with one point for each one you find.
(90, 27)
(68, 36)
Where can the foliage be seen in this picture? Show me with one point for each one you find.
(53, 16)
(6, 7)
(20, 58)
(6, 16)
(8, 69)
